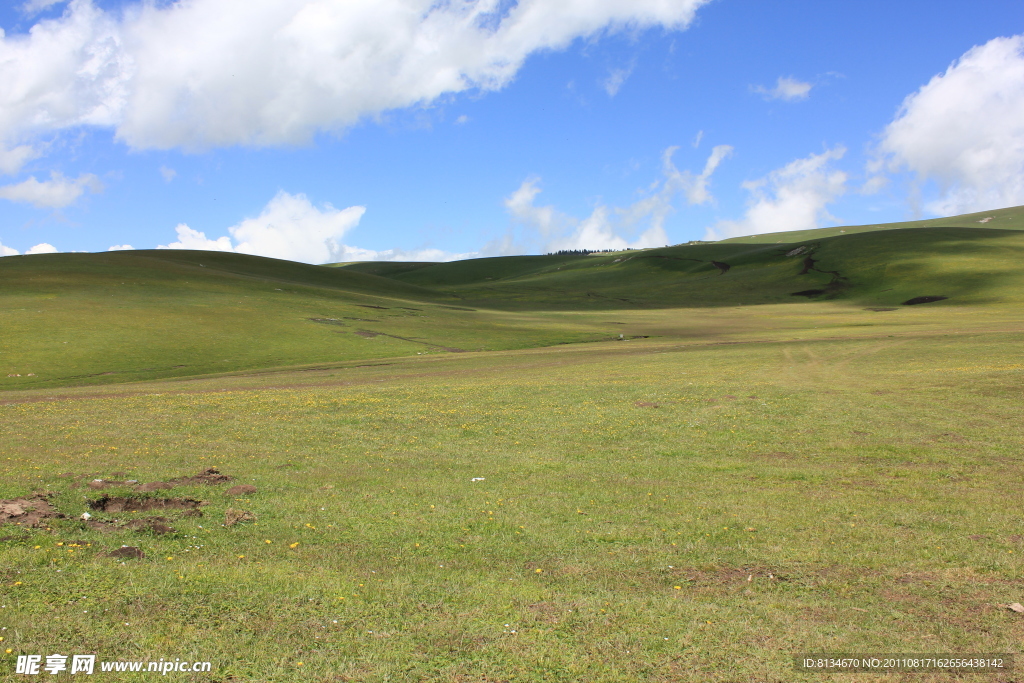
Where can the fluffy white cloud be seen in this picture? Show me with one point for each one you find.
(121, 247)
(43, 248)
(194, 239)
(793, 197)
(207, 73)
(786, 88)
(55, 193)
(7, 251)
(66, 72)
(601, 230)
(965, 130)
(546, 219)
(289, 227)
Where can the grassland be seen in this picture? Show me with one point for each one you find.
(720, 489)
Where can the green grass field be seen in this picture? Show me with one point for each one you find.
(743, 476)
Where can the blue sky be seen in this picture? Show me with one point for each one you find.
(413, 129)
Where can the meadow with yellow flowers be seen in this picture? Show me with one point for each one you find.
(715, 491)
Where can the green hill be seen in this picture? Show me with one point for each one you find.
(883, 268)
(136, 315)
(1000, 219)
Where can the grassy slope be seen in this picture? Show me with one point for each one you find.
(122, 316)
(750, 482)
(1001, 219)
(824, 494)
(876, 268)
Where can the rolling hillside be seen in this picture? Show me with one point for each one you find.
(127, 316)
(138, 315)
(882, 268)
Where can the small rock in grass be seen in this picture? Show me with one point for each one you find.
(240, 490)
(1015, 606)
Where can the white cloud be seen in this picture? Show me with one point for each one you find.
(786, 88)
(121, 247)
(43, 248)
(35, 6)
(194, 239)
(461, 120)
(67, 71)
(168, 174)
(604, 227)
(210, 73)
(11, 160)
(289, 227)
(793, 197)
(55, 193)
(965, 130)
(7, 251)
(698, 138)
(347, 253)
(546, 219)
(615, 80)
(696, 187)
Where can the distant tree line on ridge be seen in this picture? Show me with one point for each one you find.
(584, 252)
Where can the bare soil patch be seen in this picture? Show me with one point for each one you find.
(127, 552)
(27, 512)
(241, 489)
(119, 504)
(209, 476)
(233, 516)
(154, 486)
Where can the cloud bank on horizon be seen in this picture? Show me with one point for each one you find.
(190, 78)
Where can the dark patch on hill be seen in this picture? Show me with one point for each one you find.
(923, 300)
